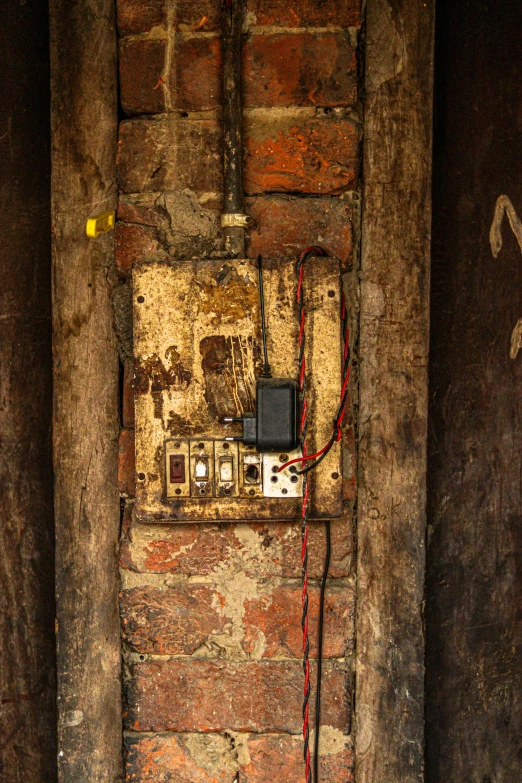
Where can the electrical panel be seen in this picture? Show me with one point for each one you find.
(198, 355)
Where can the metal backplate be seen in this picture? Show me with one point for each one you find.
(197, 344)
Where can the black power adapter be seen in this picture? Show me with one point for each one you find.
(275, 424)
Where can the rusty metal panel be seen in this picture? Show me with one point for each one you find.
(197, 344)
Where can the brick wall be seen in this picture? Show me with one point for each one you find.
(211, 613)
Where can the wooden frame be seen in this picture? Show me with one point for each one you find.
(394, 392)
(86, 419)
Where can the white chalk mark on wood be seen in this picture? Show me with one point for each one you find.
(504, 206)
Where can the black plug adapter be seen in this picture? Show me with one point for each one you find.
(275, 424)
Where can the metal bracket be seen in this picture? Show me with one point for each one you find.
(235, 219)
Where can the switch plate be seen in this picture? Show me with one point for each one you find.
(198, 353)
(201, 468)
(284, 484)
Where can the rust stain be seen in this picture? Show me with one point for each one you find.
(151, 373)
(229, 296)
(229, 367)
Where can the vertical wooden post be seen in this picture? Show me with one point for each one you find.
(86, 425)
(27, 671)
(394, 392)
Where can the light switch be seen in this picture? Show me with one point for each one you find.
(176, 468)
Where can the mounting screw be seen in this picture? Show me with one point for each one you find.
(176, 445)
(141, 476)
(201, 445)
(226, 446)
(331, 294)
(252, 492)
(284, 491)
(140, 299)
(283, 457)
(335, 475)
(177, 491)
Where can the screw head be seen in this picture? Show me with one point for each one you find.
(294, 479)
(140, 299)
(178, 491)
(226, 446)
(335, 475)
(273, 479)
(252, 492)
(141, 476)
(283, 457)
(284, 491)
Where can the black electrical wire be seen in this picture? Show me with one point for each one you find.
(266, 368)
(326, 568)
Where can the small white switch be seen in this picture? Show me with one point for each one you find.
(201, 469)
(226, 469)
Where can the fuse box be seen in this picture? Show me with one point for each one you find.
(198, 355)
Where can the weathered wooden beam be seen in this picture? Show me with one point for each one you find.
(27, 670)
(394, 392)
(474, 565)
(84, 127)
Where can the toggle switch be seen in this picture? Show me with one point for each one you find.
(201, 472)
(226, 468)
(201, 468)
(177, 468)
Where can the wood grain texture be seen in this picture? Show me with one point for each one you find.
(474, 565)
(394, 392)
(27, 670)
(86, 425)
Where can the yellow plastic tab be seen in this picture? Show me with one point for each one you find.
(100, 224)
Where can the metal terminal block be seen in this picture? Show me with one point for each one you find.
(202, 468)
(284, 484)
(250, 472)
(177, 468)
(226, 464)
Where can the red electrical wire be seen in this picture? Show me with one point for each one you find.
(318, 456)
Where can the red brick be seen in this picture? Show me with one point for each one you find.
(178, 619)
(175, 620)
(273, 622)
(135, 243)
(163, 154)
(258, 549)
(285, 225)
(197, 15)
(300, 69)
(144, 213)
(126, 463)
(299, 153)
(196, 74)
(142, 62)
(202, 695)
(140, 16)
(161, 758)
(306, 13)
(279, 759)
(128, 394)
(280, 70)
(213, 758)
